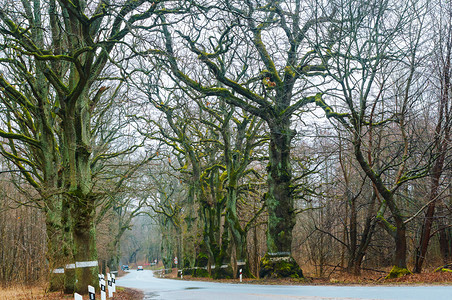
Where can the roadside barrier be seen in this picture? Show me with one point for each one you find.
(110, 286)
(111, 283)
(181, 271)
(103, 294)
(77, 264)
(91, 292)
(164, 271)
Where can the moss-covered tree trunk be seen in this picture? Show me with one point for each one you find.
(84, 236)
(280, 204)
(279, 200)
(114, 247)
(237, 154)
(189, 236)
(58, 238)
(55, 254)
(167, 248)
(77, 174)
(237, 235)
(209, 235)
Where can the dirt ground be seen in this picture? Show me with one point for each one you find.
(340, 278)
(38, 293)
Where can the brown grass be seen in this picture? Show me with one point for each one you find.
(39, 293)
(425, 278)
(342, 278)
(21, 292)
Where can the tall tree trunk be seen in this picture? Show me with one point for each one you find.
(356, 257)
(85, 251)
(55, 255)
(114, 253)
(280, 205)
(237, 234)
(366, 237)
(421, 251)
(353, 232)
(59, 246)
(190, 235)
(209, 235)
(78, 183)
(401, 245)
(281, 213)
(445, 232)
(256, 252)
(445, 244)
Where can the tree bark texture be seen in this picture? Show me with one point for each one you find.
(279, 200)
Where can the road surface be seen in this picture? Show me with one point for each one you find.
(171, 289)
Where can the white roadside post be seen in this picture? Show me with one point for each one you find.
(240, 275)
(91, 292)
(113, 282)
(103, 294)
(181, 274)
(78, 297)
(100, 279)
(110, 288)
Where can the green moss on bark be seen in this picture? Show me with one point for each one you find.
(201, 262)
(223, 273)
(279, 267)
(397, 272)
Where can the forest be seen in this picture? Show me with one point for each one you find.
(283, 138)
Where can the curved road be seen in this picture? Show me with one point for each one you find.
(156, 288)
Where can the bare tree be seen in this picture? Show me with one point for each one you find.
(441, 137)
(363, 65)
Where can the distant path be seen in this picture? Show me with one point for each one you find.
(156, 288)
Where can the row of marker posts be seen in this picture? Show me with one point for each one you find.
(182, 275)
(111, 283)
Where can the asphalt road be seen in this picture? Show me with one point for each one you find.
(170, 289)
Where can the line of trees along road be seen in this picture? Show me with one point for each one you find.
(209, 116)
(53, 56)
